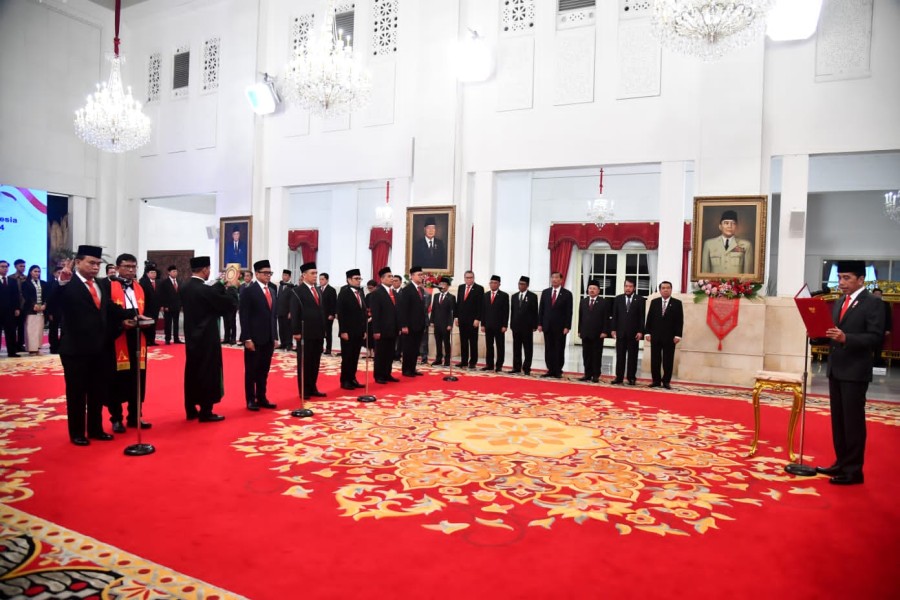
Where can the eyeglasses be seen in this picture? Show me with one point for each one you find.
(356, 277)
(264, 272)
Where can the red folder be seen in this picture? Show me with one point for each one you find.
(815, 312)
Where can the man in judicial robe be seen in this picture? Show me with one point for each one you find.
(149, 284)
(412, 321)
(593, 328)
(555, 321)
(126, 347)
(494, 322)
(352, 315)
(283, 311)
(469, 304)
(524, 322)
(627, 327)
(383, 306)
(665, 321)
(443, 305)
(308, 325)
(203, 306)
(257, 313)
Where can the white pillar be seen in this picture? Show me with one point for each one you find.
(483, 217)
(671, 223)
(275, 227)
(78, 218)
(792, 246)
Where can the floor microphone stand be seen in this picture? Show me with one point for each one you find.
(301, 412)
(367, 397)
(139, 449)
(450, 376)
(799, 468)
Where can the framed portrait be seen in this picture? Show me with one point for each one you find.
(430, 238)
(234, 242)
(729, 238)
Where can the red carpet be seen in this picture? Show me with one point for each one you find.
(494, 487)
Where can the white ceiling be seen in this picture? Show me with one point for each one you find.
(111, 4)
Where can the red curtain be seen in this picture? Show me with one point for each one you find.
(560, 257)
(307, 239)
(563, 236)
(380, 242)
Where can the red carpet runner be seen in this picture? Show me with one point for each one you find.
(495, 487)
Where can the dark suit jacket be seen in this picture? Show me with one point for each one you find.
(863, 324)
(9, 297)
(628, 323)
(151, 297)
(495, 315)
(305, 309)
(555, 317)
(168, 297)
(469, 309)
(442, 312)
(54, 297)
(523, 313)
(384, 313)
(283, 307)
(429, 259)
(84, 326)
(593, 322)
(351, 316)
(329, 301)
(664, 328)
(257, 319)
(411, 309)
(29, 294)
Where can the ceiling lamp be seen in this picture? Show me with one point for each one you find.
(792, 20)
(709, 29)
(384, 215)
(112, 119)
(323, 76)
(892, 205)
(600, 210)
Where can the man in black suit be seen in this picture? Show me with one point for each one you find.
(329, 307)
(148, 283)
(352, 315)
(383, 306)
(469, 304)
(85, 318)
(53, 311)
(9, 300)
(430, 251)
(308, 325)
(257, 314)
(203, 306)
(555, 321)
(283, 311)
(495, 321)
(170, 301)
(855, 339)
(19, 278)
(665, 321)
(523, 322)
(627, 328)
(443, 305)
(412, 320)
(593, 329)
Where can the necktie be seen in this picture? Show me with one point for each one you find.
(522, 297)
(393, 298)
(845, 306)
(553, 299)
(94, 294)
(726, 243)
(358, 299)
(315, 293)
(153, 283)
(466, 296)
(268, 297)
(665, 304)
(493, 295)
(235, 246)
(591, 305)
(441, 299)
(627, 303)
(175, 284)
(4, 280)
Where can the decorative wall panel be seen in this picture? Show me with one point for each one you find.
(516, 16)
(639, 59)
(154, 66)
(211, 47)
(574, 68)
(515, 73)
(844, 40)
(299, 34)
(385, 20)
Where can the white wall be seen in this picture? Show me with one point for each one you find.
(175, 224)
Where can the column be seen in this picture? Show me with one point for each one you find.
(484, 218)
(792, 246)
(270, 229)
(671, 223)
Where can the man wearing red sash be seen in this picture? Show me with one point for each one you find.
(126, 343)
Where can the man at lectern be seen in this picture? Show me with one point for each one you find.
(854, 341)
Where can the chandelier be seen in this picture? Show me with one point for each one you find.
(600, 210)
(112, 119)
(709, 29)
(323, 76)
(384, 215)
(892, 205)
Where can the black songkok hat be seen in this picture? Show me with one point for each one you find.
(353, 273)
(236, 228)
(857, 267)
(525, 279)
(85, 250)
(593, 282)
(384, 271)
(495, 278)
(430, 221)
(415, 269)
(199, 262)
(446, 280)
(260, 265)
(307, 267)
(286, 272)
(729, 215)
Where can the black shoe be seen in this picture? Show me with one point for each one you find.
(436, 363)
(168, 342)
(252, 406)
(144, 424)
(191, 416)
(595, 380)
(667, 386)
(547, 374)
(392, 379)
(830, 471)
(265, 404)
(498, 370)
(210, 418)
(527, 372)
(381, 381)
(461, 365)
(486, 368)
(15, 355)
(424, 361)
(81, 441)
(515, 371)
(357, 384)
(117, 427)
(616, 382)
(348, 386)
(327, 353)
(847, 479)
(318, 394)
(655, 385)
(631, 382)
(413, 374)
(102, 436)
(585, 378)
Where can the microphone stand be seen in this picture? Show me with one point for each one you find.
(301, 412)
(139, 449)
(367, 397)
(451, 376)
(799, 468)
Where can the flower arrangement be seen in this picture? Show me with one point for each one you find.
(725, 288)
(431, 280)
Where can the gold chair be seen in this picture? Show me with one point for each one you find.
(778, 381)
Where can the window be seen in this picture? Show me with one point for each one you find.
(611, 267)
(876, 270)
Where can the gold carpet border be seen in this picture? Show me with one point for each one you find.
(60, 547)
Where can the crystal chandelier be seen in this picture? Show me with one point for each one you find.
(384, 215)
(709, 29)
(112, 119)
(892, 205)
(323, 77)
(600, 210)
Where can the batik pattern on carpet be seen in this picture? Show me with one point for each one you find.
(39, 559)
(511, 458)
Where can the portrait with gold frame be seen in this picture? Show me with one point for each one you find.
(744, 256)
(434, 255)
(235, 230)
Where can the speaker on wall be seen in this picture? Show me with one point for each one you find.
(797, 223)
